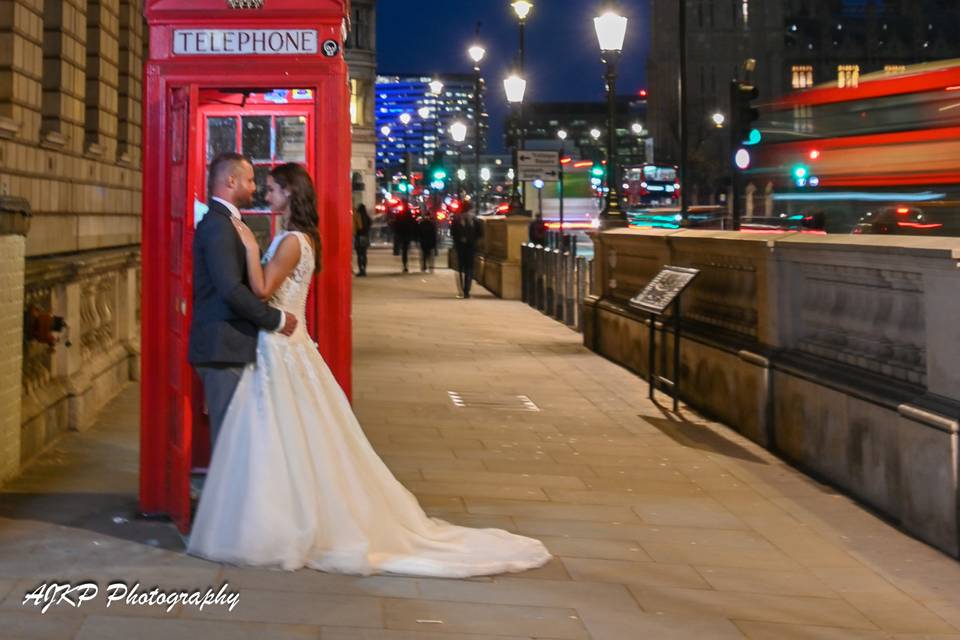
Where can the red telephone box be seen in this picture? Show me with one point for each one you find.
(266, 78)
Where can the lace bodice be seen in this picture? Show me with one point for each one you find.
(291, 297)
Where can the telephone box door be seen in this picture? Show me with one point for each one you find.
(181, 379)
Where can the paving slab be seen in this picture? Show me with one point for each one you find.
(663, 526)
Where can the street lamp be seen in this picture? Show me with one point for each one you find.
(718, 120)
(458, 131)
(611, 30)
(436, 87)
(637, 128)
(522, 8)
(595, 133)
(385, 130)
(404, 119)
(423, 112)
(515, 86)
(476, 53)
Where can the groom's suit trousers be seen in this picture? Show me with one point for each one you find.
(219, 385)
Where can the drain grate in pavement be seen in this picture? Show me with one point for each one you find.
(494, 402)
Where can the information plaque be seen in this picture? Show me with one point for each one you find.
(664, 290)
(657, 296)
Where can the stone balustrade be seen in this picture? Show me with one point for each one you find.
(498, 258)
(838, 352)
(64, 386)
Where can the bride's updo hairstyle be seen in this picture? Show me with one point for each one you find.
(303, 202)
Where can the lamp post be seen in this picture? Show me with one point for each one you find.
(436, 90)
(522, 9)
(476, 53)
(611, 29)
(515, 86)
(458, 131)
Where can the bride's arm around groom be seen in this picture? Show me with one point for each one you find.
(226, 313)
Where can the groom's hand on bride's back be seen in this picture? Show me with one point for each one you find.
(289, 324)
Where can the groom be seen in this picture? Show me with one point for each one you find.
(226, 313)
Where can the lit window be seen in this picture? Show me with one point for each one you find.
(848, 76)
(894, 68)
(356, 101)
(745, 11)
(802, 76)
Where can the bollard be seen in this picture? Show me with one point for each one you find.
(524, 272)
(559, 279)
(548, 282)
(581, 291)
(539, 286)
(570, 297)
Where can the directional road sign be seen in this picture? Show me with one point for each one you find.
(539, 173)
(538, 165)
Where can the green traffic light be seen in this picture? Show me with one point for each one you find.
(800, 172)
(755, 136)
(597, 171)
(439, 174)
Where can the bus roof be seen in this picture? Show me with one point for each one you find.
(928, 76)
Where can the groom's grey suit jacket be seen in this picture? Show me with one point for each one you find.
(226, 313)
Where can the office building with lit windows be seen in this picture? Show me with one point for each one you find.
(796, 44)
(413, 119)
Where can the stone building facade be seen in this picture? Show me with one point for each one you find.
(361, 56)
(70, 110)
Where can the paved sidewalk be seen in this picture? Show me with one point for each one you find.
(663, 527)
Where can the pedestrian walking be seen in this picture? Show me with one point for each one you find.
(538, 230)
(361, 237)
(466, 232)
(427, 237)
(406, 230)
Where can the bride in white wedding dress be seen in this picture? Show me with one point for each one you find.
(293, 481)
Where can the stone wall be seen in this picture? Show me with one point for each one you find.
(70, 113)
(836, 352)
(14, 224)
(65, 386)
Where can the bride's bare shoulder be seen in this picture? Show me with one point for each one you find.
(289, 250)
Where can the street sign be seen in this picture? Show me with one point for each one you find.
(538, 158)
(538, 173)
(538, 165)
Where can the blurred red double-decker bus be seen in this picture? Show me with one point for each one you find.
(878, 155)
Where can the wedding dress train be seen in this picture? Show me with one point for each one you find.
(294, 483)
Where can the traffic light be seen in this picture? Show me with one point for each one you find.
(800, 173)
(438, 178)
(743, 134)
(743, 114)
(598, 170)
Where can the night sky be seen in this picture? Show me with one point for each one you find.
(562, 59)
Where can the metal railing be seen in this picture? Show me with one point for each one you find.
(555, 280)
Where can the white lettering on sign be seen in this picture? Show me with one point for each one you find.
(239, 42)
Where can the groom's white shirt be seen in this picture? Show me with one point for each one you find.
(235, 214)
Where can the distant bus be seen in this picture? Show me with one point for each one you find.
(879, 157)
(651, 185)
